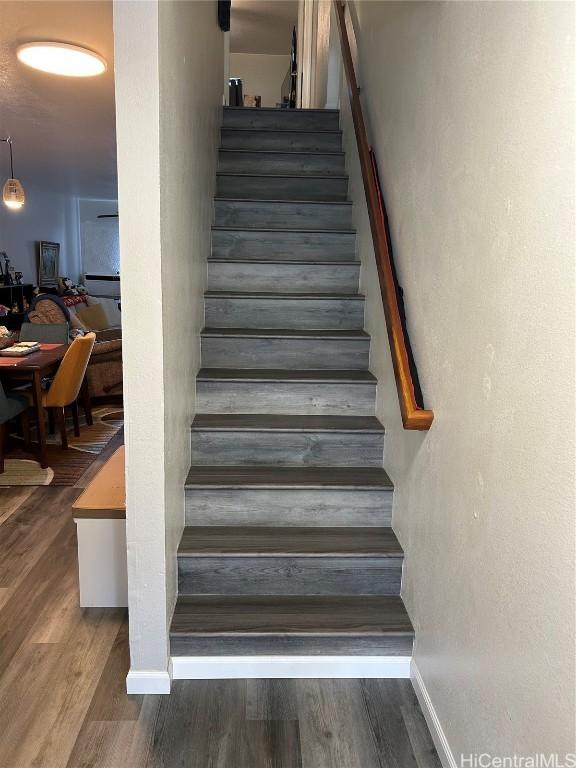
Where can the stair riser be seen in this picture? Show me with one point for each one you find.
(286, 507)
(289, 575)
(295, 120)
(281, 140)
(283, 278)
(281, 163)
(285, 398)
(281, 187)
(337, 449)
(294, 313)
(293, 354)
(255, 214)
(297, 645)
(313, 246)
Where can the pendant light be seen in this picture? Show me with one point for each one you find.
(13, 192)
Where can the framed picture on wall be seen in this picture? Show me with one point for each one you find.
(48, 258)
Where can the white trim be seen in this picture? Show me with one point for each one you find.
(306, 40)
(334, 65)
(234, 667)
(432, 719)
(226, 94)
(149, 680)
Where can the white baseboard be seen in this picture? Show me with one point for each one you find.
(431, 717)
(149, 680)
(234, 667)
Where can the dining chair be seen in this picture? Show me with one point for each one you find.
(45, 333)
(66, 384)
(12, 405)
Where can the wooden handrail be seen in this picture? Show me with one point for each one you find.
(413, 416)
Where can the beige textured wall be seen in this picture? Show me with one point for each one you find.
(169, 75)
(471, 111)
(262, 74)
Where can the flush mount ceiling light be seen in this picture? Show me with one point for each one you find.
(61, 59)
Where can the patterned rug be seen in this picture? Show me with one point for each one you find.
(65, 468)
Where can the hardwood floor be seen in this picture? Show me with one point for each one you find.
(63, 669)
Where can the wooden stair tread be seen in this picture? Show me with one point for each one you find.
(222, 228)
(280, 130)
(250, 151)
(296, 110)
(290, 333)
(254, 541)
(288, 262)
(290, 477)
(278, 615)
(266, 201)
(285, 423)
(286, 375)
(283, 175)
(280, 296)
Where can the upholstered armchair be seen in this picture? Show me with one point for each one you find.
(104, 372)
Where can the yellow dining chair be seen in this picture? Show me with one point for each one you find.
(66, 383)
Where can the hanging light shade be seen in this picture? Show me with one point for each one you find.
(13, 193)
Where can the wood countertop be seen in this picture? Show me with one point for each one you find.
(105, 496)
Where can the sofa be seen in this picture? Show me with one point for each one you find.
(104, 372)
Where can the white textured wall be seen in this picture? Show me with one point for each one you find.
(99, 238)
(262, 74)
(471, 114)
(168, 90)
(191, 78)
(138, 145)
(45, 216)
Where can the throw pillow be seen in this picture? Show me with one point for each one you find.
(70, 301)
(110, 307)
(75, 322)
(93, 317)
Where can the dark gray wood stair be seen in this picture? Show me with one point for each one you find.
(288, 546)
(285, 348)
(288, 276)
(260, 309)
(283, 214)
(287, 496)
(281, 186)
(283, 162)
(283, 244)
(252, 560)
(253, 541)
(286, 624)
(283, 391)
(276, 119)
(236, 439)
(289, 478)
(269, 139)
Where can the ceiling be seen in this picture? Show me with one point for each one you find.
(262, 26)
(63, 128)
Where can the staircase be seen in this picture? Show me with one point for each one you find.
(288, 549)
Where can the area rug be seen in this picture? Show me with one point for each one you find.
(65, 467)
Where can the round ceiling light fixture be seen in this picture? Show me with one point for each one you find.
(61, 59)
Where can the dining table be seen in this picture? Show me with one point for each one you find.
(33, 368)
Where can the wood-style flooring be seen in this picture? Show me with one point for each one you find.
(62, 680)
